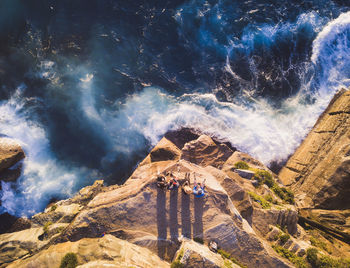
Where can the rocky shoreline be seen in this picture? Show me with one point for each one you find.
(251, 213)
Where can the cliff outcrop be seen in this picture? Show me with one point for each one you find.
(246, 211)
(163, 225)
(319, 171)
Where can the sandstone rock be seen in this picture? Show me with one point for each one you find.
(165, 150)
(182, 136)
(337, 219)
(146, 215)
(197, 255)
(62, 214)
(240, 156)
(107, 251)
(318, 172)
(10, 153)
(262, 218)
(247, 174)
(204, 151)
(19, 244)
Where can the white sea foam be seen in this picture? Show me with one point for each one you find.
(43, 176)
(253, 126)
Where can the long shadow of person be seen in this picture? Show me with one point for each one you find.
(198, 217)
(173, 222)
(161, 222)
(186, 214)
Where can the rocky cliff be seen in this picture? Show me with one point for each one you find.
(246, 211)
(319, 170)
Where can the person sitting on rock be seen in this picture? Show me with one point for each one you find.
(161, 182)
(198, 189)
(186, 185)
(173, 183)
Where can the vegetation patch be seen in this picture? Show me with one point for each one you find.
(53, 207)
(226, 255)
(265, 177)
(261, 200)
(241, 165)
(69, 260)
(325, 261)
(46, 226)
(319, 244)
(177, 262)
(283, 237)
(285, 253)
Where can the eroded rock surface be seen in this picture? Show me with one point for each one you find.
(107, 251)
(319, 170)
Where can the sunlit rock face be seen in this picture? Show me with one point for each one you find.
(319, 171)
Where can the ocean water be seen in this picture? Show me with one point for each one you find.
(88, 87)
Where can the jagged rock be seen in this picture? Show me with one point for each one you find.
(240, 156)
(247, 174)
(10, 223)
(262, 218)
(204, 151)
(62, 214)
(84, 195)
(337, 219)
(107, 251)
(10, 153)
(318, 172)
(165, 150)
(148, 216)
(196, 255)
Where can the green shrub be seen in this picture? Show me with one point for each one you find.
(311, 256)
(69, 260)
(283, 193)
(288, 195)
(241, 165)
(325, 261)
(285, 253)
(261, 200)
(46, 226)
(177, 263)
(53, 207)
(283, 238)
(264, 177)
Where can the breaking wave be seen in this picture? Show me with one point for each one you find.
(259, 85)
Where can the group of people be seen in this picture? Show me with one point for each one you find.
(170, 182)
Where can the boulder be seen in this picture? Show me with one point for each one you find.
(318, 172)
(192, 254)
(247, 174)
(10, 153)
(204, 152)
(165, 150)
(240, 156)
(106, 251)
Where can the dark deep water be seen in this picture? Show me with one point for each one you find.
(88, 87)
